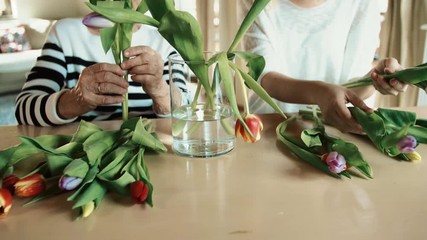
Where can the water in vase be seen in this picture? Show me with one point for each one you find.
(202, 131)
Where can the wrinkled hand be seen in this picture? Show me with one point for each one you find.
(146, 67)
(100, 84)
(332, 101)
(387, 86)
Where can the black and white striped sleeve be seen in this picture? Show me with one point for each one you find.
(36, 103)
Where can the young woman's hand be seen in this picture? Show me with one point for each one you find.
(387, 86)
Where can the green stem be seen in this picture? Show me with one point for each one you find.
(244, 92)
(366, 81)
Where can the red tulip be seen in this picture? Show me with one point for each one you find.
(5, 201)
(9, 182)
(139, 191)
(30, 186)
(254, 124)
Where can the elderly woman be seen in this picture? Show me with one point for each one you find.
(74, 79)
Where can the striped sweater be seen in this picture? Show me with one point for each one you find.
(70, 48)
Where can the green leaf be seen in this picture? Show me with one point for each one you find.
(254, 62)
(90, 177)
(99, 144)
(260, 91)
(56, 163)
(352, 156)
(420, 133)
(396, 118)
(113, 163)
(85, 130)
(108, 36)
(311, 138)
(77, 168)
(301, 153)
(142, 137)
(123, 15)
(142, 7)
(371, 123)
(121, 184)
(95, 192)
(159, 8)
(50, 192)
(253, 13)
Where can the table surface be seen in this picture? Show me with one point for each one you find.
(257, 191)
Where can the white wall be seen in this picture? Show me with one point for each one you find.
(50, 9)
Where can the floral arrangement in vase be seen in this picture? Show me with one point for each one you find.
(183, 32)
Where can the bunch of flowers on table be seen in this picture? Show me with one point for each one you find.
(184, 33)
(85, 165)
(329, 154)
(394, 132)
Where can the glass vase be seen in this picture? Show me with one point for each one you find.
(202, 121)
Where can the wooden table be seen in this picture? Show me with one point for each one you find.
(257, 191)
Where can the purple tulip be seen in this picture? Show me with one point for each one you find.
(95, 20)
(335, 161)
(69, 183)
(407, 144)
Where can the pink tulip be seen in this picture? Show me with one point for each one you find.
(95, 20)
(407, 144)
(335, 161)
(254, 124)
(69, 183)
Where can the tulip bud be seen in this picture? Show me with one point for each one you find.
(5, 202)
(30, 186)
(87, 209)
(69, 183)
(407, 144)
(335, 161)
(254, 124)
(139, 191)
(9, 182)
(413, 156)
(95, 20)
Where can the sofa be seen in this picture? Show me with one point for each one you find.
(14, 65)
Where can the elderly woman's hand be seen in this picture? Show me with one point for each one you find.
(387, 86)
(98, 84)
(146, 67)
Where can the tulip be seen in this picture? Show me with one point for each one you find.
(254, 124)
(5, 202)
(9, 182)
(407, 144)
(139, 191)
(413, 156)
(87, 209)
(30, 186)
(69, 183)
(335, 161)
(95, 20)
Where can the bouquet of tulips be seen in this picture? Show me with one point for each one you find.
(183, 32)
(394, 132)
(331, 155)
(86, 165)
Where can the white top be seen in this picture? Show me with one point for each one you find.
(333, 42)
